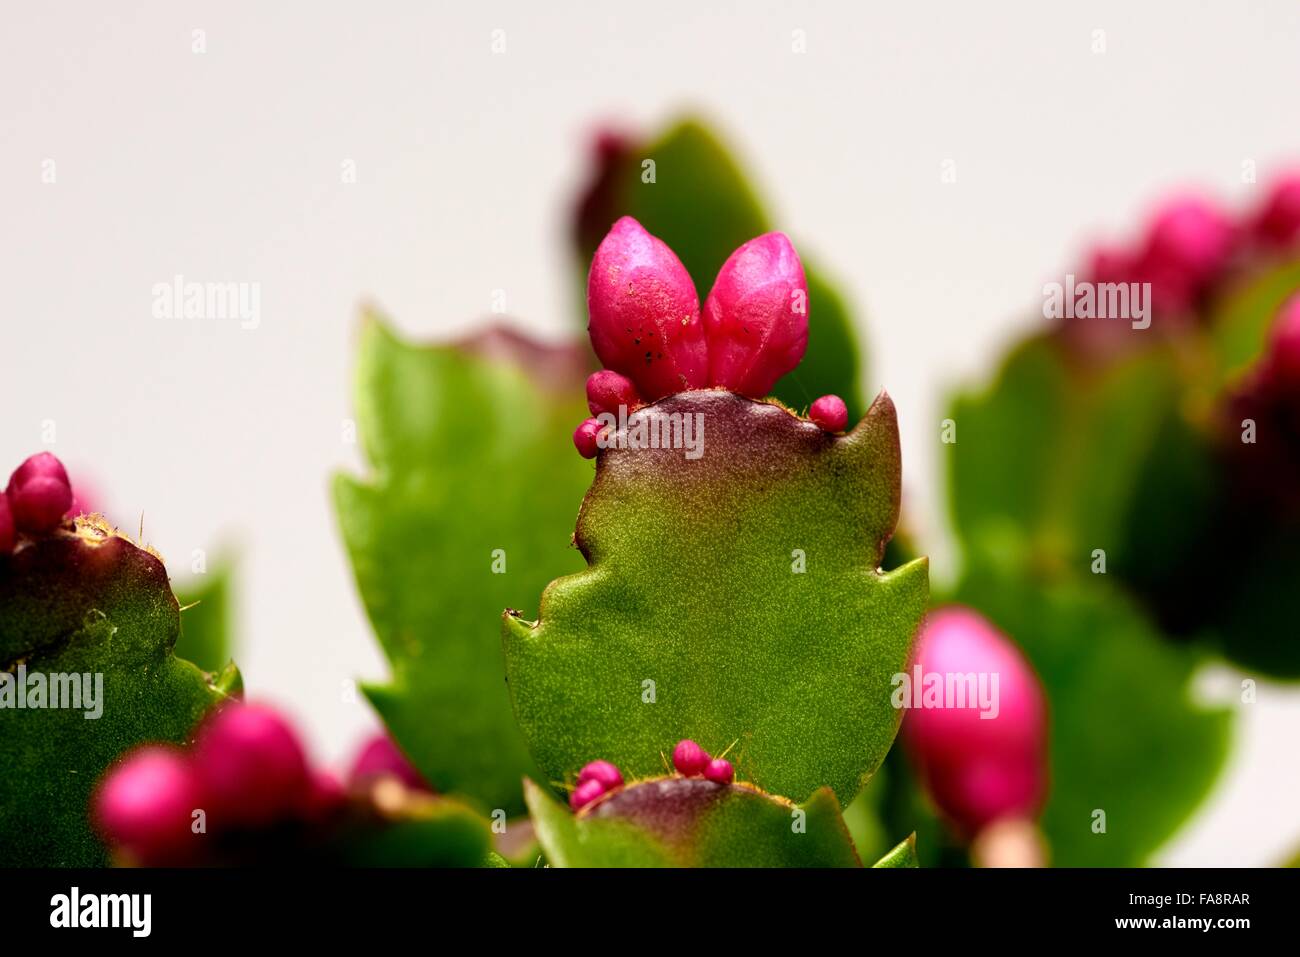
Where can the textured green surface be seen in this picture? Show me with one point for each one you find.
(904, 855)
(1126, 737)
(85, 603)
(703, 207)
(469, 454)
(690, 586)
(690, 822)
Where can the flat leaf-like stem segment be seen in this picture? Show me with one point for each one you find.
(82, 603)
(735, 599)
(467, 508)
(691, 822)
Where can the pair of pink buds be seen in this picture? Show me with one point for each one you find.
(650, 334)
(693, 761)
(596, 779)
(646, 323)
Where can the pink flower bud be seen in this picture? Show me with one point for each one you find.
(607, 774)
(980, 763)
(1188, 243)
(1278, 222)
(607, 390)
(830, 413)
(8, 536)
(144, 806)
(39, 493)
(585, 793)
(585, 438)
(645, 313)
(756, 316)
(689, 758)
(720, 771)
(381, 757)
(251, 767)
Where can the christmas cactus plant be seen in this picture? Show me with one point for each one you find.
(635, 595)
(733, 591)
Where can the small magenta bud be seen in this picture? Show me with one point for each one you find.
(720, 771)
(39, 493)
(830, 413)
(607, 390)
(8, 536)
(1278, 223)
(987, 760)
(586, 438)
(609, 776)
(689, 758)
(145, 806)
(756, 316)
(251, 767)
(585, 793)
(381, 757)
(645, 313)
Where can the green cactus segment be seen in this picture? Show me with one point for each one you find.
(701, 204)
(84, 603)
(904, 855)
(690, 822)
(735, 599)
(468, 509)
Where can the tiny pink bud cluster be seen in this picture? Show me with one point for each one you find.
(979, 769)
(693, 761)
(34, 503)
(596, 779)
(246, 770)
(689, 758)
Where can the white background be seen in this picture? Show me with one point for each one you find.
(226, 165)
